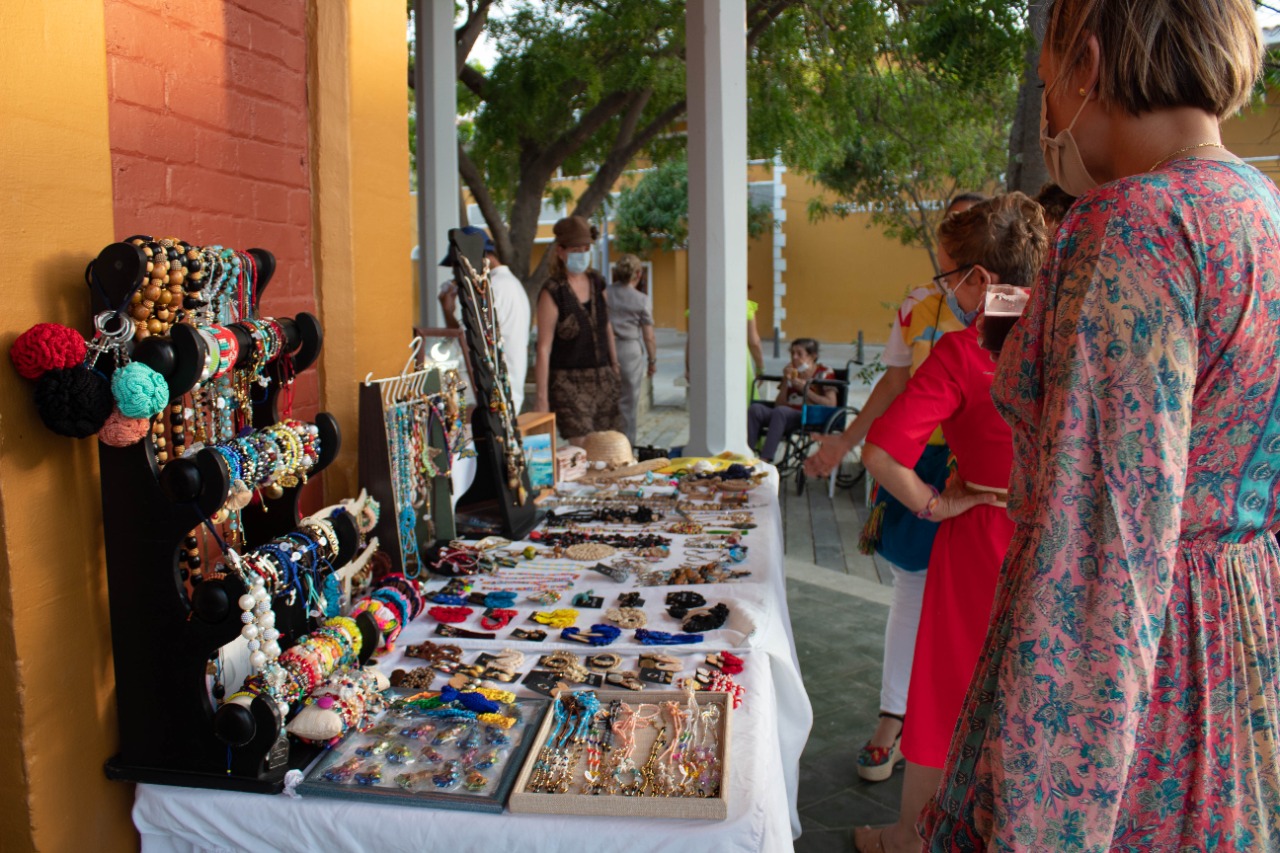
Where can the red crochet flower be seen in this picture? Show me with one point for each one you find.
(47, 346)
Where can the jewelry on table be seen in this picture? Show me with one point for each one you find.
(590, 551)
(418, 678)
(604, 662)
(449, 614)
(706, 620)
(599, 635)
(660, 662)
(627, 617)
(566, 664)
(628, 679)
(617, 572)
(663, 638)
(562, 618)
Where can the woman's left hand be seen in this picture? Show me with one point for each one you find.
(958, 498)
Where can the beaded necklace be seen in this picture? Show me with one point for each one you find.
(492, 354)
(399, 422)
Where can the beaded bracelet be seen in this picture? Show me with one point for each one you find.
(397, 602)
(932, 504)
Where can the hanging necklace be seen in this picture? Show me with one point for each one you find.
(1169, 157)
(399, 424)
(492, 353)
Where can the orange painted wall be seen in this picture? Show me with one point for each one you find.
(209, 135)
(58, 713)
(194, 119)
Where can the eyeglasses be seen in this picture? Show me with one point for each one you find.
(941, 278)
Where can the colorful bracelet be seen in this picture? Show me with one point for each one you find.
(929, 507)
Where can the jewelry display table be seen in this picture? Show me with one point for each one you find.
(769, 733)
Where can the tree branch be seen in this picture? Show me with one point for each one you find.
(488, 209)
(627, 128)
(578, 135)
(465, 36)
(767, 17)
(474, 80)
(621, 155)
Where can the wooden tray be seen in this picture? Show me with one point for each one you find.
(712, 808)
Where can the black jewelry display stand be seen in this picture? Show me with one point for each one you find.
(162, 638)
(492, 506)
(375, 476)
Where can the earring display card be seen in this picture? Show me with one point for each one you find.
(640, 776)
(408, 757)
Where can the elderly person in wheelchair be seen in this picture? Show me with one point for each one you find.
(806, 390)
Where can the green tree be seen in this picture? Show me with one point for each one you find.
(653, 215)
(587, 88)
(928, 117)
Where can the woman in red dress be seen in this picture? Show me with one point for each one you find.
(1000, 240)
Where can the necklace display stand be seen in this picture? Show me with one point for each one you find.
(163, 638)
(376, 469)
(500, 500)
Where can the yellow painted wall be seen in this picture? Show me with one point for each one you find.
(760, 280)
(842, 274)
(363, 231)
(58, 714)
(1256, 133)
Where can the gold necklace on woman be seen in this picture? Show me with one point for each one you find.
(1168, 157)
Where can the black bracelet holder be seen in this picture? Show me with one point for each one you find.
(491, 505)
(162, 639)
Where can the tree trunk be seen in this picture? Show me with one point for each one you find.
(1026, 170)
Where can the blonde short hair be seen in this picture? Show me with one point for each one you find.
(1160, 54)
(625, 269)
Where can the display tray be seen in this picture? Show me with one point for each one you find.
(574, 802)
(408, 769)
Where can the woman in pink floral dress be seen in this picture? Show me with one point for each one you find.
(1127, 696)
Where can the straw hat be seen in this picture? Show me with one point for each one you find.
(610, 448)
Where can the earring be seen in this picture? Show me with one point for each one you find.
(1083, 92)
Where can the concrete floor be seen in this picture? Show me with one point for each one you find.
(838, 602)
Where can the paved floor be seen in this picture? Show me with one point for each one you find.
(838, 601)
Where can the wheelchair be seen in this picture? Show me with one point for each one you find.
(798, 443)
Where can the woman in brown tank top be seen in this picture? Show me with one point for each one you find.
(577, 364)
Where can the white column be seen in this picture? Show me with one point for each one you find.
(716, 46)
(779, 243)
(436, 103)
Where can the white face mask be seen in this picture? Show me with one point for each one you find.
(577, 262)
(1062, 155)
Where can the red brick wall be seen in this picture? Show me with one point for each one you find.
(209, 135)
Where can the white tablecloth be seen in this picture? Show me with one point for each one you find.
(769, 733)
